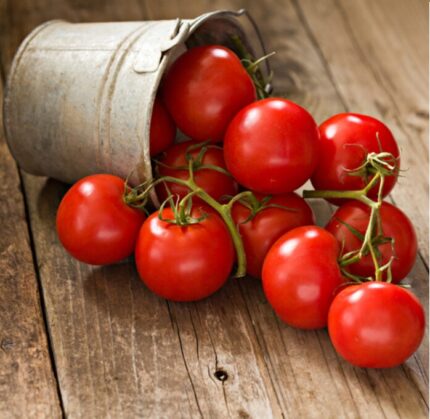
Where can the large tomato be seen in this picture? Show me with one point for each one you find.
(163, 129)
(345, 141)
(184, 263)
(395, 224)
(376, 324)
(94, 224)
(259, 233)
(203, 90)
(271, 146)
(301, 276)
(216, 184)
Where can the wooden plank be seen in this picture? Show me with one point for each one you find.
(28, 387)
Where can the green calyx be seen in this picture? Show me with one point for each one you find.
(182, 211)
(383, 163)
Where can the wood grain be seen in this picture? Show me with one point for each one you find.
(27, 383)
(120, 351)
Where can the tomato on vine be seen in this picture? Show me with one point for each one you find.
(187, 261)
(397, 241)
(93, 222)
(274, 216)
(376, 324)
(345, 141)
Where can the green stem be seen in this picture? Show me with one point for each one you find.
(131, 199)
(240, 196)
(252, 67)
(360, 195)
(225, 212)
(374, 223)
(367, 242)
(357, 195)
(349, 261)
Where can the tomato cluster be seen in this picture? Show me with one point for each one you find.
(228, 198)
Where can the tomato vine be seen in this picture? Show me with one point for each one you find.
(381, 164)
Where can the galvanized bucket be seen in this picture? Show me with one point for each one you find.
(79, 96)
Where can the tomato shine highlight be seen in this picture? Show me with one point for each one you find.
(271, 146)
(376, 324)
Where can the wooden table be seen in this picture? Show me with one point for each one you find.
(95, 343)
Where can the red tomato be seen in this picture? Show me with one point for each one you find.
(204, 89)
(345, 141)
(259, 234)
(184, 263)
(395, 224)
(301, 276)
(271, 146)
(163, 129)
(216, 184)
(376, 324)
(94, 224)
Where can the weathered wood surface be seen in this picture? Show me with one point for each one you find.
(27, 384)
(119, 351)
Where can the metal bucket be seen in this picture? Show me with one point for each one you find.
(79, 96)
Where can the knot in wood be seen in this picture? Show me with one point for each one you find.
(221, 375)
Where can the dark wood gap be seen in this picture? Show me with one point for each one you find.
(2, 73)
(40, 290)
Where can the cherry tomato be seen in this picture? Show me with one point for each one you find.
(345, 141)
(271, 146)
(163, 129)
(376, 324)
(301, 276)
(184, 263)
(94, 224)
(203, 90)
(216, 184)
(259, 233)
(395, 224)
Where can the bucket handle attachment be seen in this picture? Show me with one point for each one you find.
(149, 57)
(180, 34)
